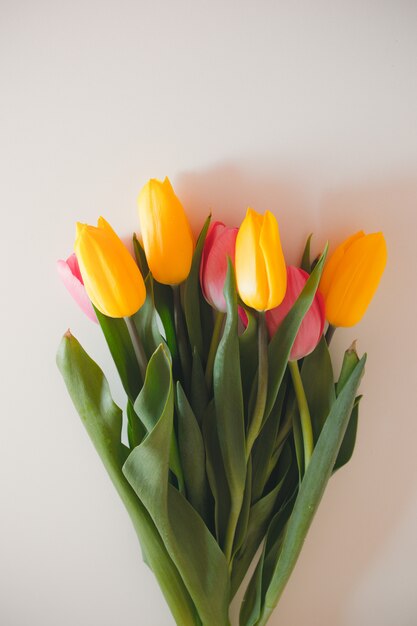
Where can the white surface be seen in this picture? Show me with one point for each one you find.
(305, 108)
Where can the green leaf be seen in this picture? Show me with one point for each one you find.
(188, 541)
(228, 401)
(248, 347)
(265, 444)
(192, 453)
(281, 343)
(216, 474)
(148, 406)
(164, 304)
(135, 429)
(305, 260)
(251, 605)
(140, 256)
(242, 524)
(192, 292)
(102, 419)
(207, 324)
(350, 361)
(310, 493)
(349, 440)
(118, 339)
(259, 519)
(199, 394)
(318, 382)
(146, 321)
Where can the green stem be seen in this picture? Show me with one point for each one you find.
(329, 333)
(181, 336)
(137, 346)
(255, 423)
(304, 412)
(215, 339)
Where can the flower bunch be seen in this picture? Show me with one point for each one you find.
(235, 418)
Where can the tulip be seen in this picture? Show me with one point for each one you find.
(261, 274)
(166, 233)
(69, 272)
(111, 277)
(219, 246)
(311, 328)
(351, 276)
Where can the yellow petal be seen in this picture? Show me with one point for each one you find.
(330, 269)
(276, 270)
(356, 281)
(111, 277)
(166, 233)
(251, 276)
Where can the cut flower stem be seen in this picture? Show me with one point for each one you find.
(304, 412)
(257, 417)
(137, 345)
(215, 339)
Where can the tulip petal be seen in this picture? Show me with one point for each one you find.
(220, 245)
(111, 277)
(251, 276)
(167, 236)
(311, 328)
(330, 269)
(70, 275)
(276, 270)
(357, 279)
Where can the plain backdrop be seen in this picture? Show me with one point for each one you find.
(305, 108)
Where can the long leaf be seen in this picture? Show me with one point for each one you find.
(188, 541)
(311, 491)
(102, 419)
(318, 382)
(120, 345)
(281, 343)
(228, 400)
(146, 321)
(350, 360)
(216, 474)
(259, 518)
(193, 457)
(264, 445)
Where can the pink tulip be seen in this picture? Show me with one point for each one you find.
(70, 274)
(312, 326)
(219, 245)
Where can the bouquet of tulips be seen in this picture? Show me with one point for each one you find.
(235, 418)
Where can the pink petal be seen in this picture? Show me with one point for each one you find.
(72, 262)
(214, 230)
(312, 326)
(75, 286)
(221, 246)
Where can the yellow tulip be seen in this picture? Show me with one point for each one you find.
(351, 276)
(166, 233)
(111, 277)
(261, 274)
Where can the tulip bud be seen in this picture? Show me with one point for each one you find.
(261, 274)
(69, 272)
(111, 277)
(311, 328)
(351, 277)
(166, 233)
(218, 247)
